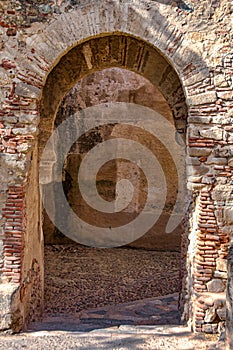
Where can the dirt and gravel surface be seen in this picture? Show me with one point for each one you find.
(122, 338)
(123, 285)
(79, 278)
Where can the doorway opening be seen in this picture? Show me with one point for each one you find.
(137, 283)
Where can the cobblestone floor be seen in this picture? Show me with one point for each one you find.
(155, 311)
(79, 278)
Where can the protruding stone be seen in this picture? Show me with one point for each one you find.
(192, 161)
(221, 265)
(225, 95)
(198, 151)
(196, 170)
(230, 162)
(210, 315)
(23, 89)
(207, 97)
(222, 193)
(196, 179)
(199, 120)
(219, 274)
(215, 160)
(215, 286)
(222, 313)
(212, 133)
(228, 216)
(210, 328)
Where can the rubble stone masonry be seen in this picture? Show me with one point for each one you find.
(185, 50)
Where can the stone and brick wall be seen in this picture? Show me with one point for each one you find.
(13, 242)
(183, 49)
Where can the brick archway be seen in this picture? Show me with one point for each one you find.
(116, 50)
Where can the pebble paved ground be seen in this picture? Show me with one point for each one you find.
(110, 300)
(79, 278)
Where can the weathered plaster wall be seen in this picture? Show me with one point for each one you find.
(31, 289)
(117, 85)
(197, 41)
